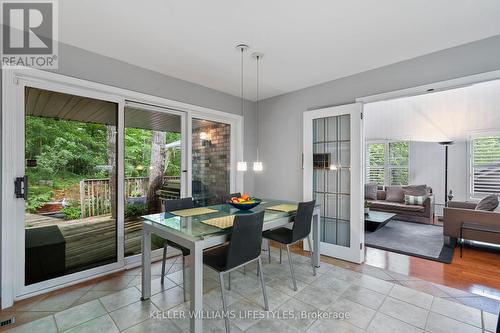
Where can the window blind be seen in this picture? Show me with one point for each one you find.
(485, 166)
(388, 163)
(375, 172)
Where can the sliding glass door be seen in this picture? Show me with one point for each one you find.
(153, 167)
(81, 164)
(71, 196)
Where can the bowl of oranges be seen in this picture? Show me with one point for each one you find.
(245, 202)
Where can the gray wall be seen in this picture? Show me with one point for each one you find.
(280, 117)
(90, 66)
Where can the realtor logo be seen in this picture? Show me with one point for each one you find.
(29, 34)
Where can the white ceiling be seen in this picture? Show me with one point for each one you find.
(441, 116)
(304, 42)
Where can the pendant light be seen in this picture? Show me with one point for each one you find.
(257, 165)
(242, 165)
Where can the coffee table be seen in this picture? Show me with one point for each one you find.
(375, 220)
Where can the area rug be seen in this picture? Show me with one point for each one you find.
(413, 239)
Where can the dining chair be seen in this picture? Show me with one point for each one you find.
(170, 206)
(243, 248)
(301, 230)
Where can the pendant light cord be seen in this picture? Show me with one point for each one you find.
(242, 109)
(258, 125)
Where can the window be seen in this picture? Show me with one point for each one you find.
(387, 163)
(485, 165)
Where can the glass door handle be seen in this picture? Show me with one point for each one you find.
(21, 187)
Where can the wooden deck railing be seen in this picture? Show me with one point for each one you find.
(95, 194)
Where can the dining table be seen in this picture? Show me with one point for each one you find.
(191, 232)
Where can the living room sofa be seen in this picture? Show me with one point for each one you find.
(423, 213)
(465, 212)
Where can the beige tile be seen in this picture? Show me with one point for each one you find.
(26, 304)
(174, 315)
(22, 318)
(343, 274)
(482, 303)
(335, 285)
(379, 273)
(242, 307)
(318, 297)
(154, 326)
(43, 325)
(92, 295)
(359, 315)
(333, 325)
(103, 324)
(411, 296)
(132, 314)
(120, 299)
(156, 285)
(285, 285)
(364, 296)
(374, 284)
(490, 321)
(437, 323)
(272, 325)
(457, 311)
(214, 298)
(426, 287)
(275, 298)
(385, 324)
(403, 311)
(169, 298)
(114, 282)
(296, 306)
(74, 316)
(57, 301)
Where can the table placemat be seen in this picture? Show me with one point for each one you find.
(221, 222)
(287, 208)
(193, 211)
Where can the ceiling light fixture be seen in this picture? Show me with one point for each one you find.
(242, 165)
(257, 165)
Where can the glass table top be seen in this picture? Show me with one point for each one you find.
(192, 226)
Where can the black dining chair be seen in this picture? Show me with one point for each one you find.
(243, 248)
(301, 230)
(225, 198)
(170, 206)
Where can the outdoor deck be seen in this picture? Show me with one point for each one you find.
(90, 240)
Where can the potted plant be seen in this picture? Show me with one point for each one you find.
(136, 197)
(367, 207)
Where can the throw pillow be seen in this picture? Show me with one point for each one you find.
(415, 199)
(488, 203)
(415, 190)
(394, 194)
(371, 191)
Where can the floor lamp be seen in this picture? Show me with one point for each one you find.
(446, 144)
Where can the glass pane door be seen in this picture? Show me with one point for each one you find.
(71, 165)
(153, 156)
(332, 176)
(211, 161)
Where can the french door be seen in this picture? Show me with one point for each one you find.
(332, 176)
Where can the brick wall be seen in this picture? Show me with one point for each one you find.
(211, 161)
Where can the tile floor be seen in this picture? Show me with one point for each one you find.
(376, 300)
